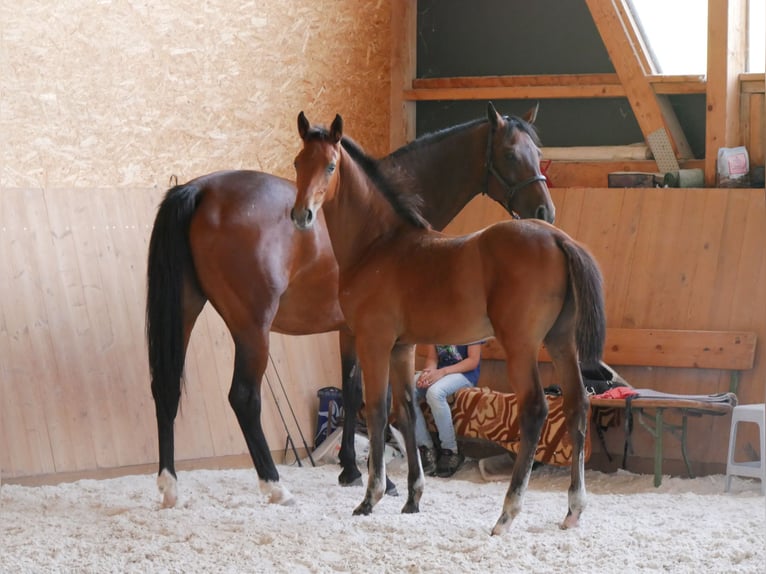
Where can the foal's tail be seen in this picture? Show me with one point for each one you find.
(588, 290)
(170, 271)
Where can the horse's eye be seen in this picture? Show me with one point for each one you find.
(510, 156)
(330, 168)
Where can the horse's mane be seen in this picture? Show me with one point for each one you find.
(437, 136)
(406, 205)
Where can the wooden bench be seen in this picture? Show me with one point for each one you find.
(732, 351)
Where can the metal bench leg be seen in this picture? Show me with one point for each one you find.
(658, 447)
(683, 446)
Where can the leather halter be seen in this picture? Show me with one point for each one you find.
(510, 188)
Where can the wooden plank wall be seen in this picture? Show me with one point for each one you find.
(672, 259)
(75, 381)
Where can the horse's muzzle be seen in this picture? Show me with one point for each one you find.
(302, 218)
(546, 214)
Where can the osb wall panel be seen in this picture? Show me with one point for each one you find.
(101, 103)
(126, 93)
(671, 259)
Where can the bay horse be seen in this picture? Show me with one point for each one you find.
(402, 283)
(227, 238)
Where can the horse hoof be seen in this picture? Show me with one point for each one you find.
(277, 494)
(166, 482)
(350, 478)
(410, 508)
(364, 509)
(502, 525)
(391, 490)
(571, 521)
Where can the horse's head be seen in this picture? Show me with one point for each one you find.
(513, 166)
(316, 173)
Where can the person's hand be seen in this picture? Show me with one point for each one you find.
(424, 380)
(428, 377)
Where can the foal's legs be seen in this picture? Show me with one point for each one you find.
(533, 408)
(402, 368)
(352, 402)
(576, 412)
(374, 361)
(250, 359)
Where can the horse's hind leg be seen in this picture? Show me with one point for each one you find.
(352, 402)
(402, 369)
(576, 413)
(166, 403)
(250, 358)
(532, 408)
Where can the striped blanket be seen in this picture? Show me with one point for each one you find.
(479, 412)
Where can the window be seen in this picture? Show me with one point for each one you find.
(756, 37)
(675, 33)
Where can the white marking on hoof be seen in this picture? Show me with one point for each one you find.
(276, 493)
(502, 524)
(571, 521)
(167, 484)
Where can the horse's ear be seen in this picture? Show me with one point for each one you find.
(303, 125)
(494, 118)
(336, 129)
(531, 114)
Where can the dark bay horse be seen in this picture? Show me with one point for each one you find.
(401, 283)
(227, 238)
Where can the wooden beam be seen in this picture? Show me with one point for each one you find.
(751, 84)
(726, 57)
(517, 81)
(403, 70)
(627, 62)
(515, 93)
(542, 87)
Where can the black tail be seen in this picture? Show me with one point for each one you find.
(588, 289)
(170, 262)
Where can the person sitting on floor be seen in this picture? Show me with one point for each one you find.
(448, 368)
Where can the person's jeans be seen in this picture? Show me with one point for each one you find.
(436, 396)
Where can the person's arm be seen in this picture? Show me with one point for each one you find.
(429, 367)
(429, 376)
(467, 364)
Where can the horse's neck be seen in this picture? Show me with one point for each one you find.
(447, 173)
(357, 215)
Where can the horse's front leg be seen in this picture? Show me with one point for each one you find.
(402, 367)
(375, 376)
(250, 358)
(352, 402)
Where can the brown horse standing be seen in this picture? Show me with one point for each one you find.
(227, 238)
(525, 282)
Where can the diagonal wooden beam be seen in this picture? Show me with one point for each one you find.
(654, 115)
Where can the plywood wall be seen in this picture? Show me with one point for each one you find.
(103, 102)
(672, 259)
